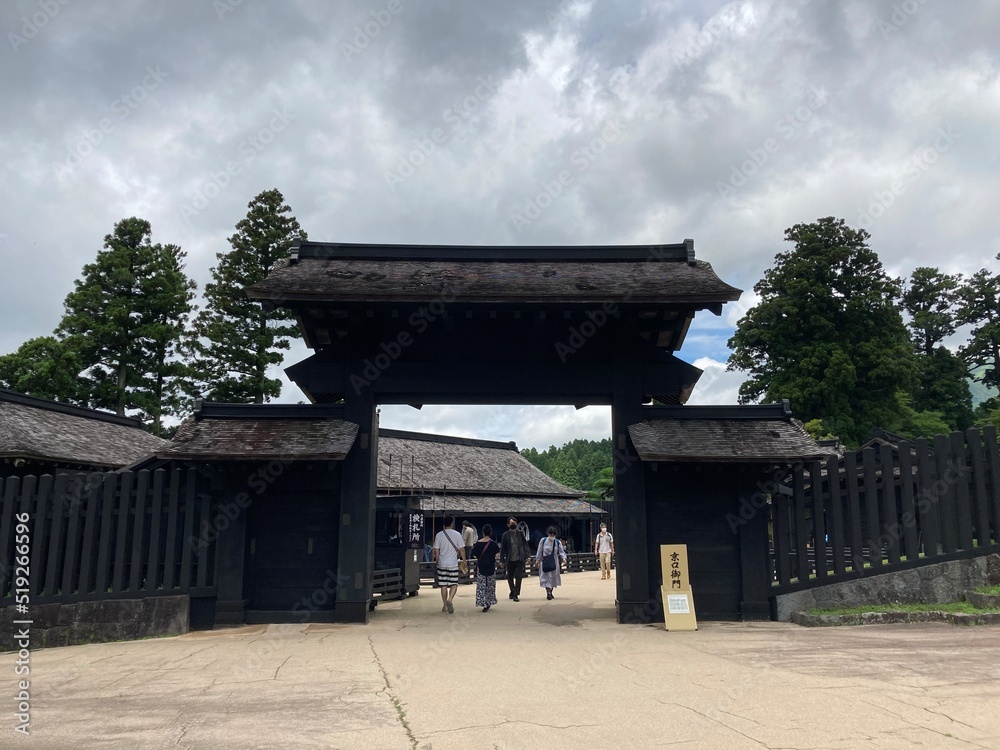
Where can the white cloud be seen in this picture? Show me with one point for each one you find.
(717, 385)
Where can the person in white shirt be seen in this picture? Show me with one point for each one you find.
(604, 547)
(448, 548)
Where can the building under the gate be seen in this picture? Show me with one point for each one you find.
(482, 481)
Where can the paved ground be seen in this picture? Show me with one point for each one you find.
(528, 675)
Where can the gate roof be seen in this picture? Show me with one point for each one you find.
(344, 273)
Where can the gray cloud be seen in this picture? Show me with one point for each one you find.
(698, 89)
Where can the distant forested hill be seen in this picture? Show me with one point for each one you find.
(577, 464)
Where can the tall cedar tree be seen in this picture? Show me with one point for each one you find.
(827, 333)
(981, 309)
(239, 338)
(931, 299)
(166, 338)
(125, 319)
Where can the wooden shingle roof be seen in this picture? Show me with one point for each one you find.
(461, 466)
(730, 434)
(38, 430)
(244, 432)
(509, 505)
(490, 274)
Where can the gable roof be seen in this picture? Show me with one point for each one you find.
(348, 272)
(461, 466)
(724, 434)
(43, 431)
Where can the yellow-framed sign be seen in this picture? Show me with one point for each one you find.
(678, 599)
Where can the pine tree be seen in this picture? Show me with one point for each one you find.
(239, 339)
(931, 299)
(981, 309)
(166, 338)
(124, 319)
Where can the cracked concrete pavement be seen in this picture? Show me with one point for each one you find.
(522, 675)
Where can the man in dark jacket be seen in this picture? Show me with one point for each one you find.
(514, 554)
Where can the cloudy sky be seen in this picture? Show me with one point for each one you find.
(426, 121)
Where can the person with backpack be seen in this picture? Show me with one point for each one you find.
(551, 554)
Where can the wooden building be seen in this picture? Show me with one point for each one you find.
(274, 475)
(709, 472)
(482, 481)
(38, 436)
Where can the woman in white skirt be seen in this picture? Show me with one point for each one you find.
(551, 554)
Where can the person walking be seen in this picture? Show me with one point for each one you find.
(447, 551)
(604, 548)
(514, 554)
(549, 558)
(468, 538)
(486, 551)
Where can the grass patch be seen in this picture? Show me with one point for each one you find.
(960, 607)
(988, 590)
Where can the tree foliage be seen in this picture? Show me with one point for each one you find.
(980, 308)
(125, 318)
(827, 333)
(239, 339)
(44, 367)
(943, 387)
(578, 464)
(931, 299)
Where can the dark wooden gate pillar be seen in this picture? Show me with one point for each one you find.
(631, 548)
(356, 551)
(230, 548)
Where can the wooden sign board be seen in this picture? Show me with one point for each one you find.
(678, 600)
(674, 562)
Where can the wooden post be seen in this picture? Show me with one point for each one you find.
(356, 549)
(637, 596)
(230, 548)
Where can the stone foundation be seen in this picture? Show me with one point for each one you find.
(96, 622)
(941, 582)
(887, 618)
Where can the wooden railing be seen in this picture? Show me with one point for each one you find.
(921, 504)
(109, 535)
(575, 562)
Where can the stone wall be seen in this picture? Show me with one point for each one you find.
(96, 622)
(941, 583)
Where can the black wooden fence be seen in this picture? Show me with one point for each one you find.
(896, 508)
(106, 536)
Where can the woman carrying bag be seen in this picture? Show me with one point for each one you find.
(551, 554)
(486, 551)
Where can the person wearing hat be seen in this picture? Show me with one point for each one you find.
(604, 548)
